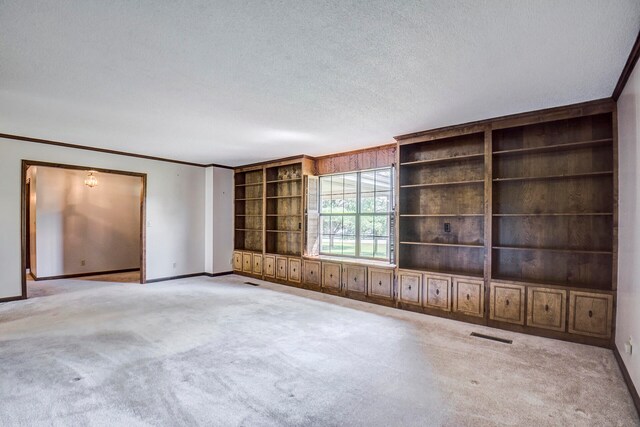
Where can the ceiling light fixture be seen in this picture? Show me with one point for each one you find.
(91, 181)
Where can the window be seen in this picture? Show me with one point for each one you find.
(356, 214)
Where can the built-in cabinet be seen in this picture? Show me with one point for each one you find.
(510, 223)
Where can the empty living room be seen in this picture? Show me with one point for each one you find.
(320, 213)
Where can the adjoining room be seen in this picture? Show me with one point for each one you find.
(381, 213)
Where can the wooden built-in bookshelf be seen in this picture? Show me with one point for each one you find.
(248, 210)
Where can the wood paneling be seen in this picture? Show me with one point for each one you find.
(590, 314)
(371, 158)
(468, 296)
(546, 308)
(331, 275)
(410, 287)
(355, 278)
(437, 292)
(380, 282)
(312, 274)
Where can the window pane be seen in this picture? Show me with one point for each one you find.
(366, 246)
(367, 182)
(325, 185)
(325, 225)
(383, 180)
(367, 203)
(351, 183)
(349, 225)
(326, 244)
(337, 184)
(366, 225)
(336, 225)
(381, 248)
(381, 226)
(325, 204)
(383, 202)
(349, 245)
(350, 204)
(336, 245)
(337, 204)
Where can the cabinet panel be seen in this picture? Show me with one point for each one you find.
(237, 261)
(331, 275)
(437, 292)
(312, 272)
(507, 303)
(590, 314)
(257, 264)
(468, 296)
(247, 262)
(546, 308)
(355, 278)
(281, 268)
(381, 282)
(409, 285)
(295, 273)
(270, 266)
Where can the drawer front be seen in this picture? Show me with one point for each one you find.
(507, 303)
(312, 272)
(381, 282)
(546, 308)
(257, 264)
(355, 278)
(270, 266)
(281, 268)
(437, 291)
(247, 262)
(295, 267)
(409, 285)
(237, 261)
(590, 314)
(468, 296)
(331, 275)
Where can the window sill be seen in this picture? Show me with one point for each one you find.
(352, 260)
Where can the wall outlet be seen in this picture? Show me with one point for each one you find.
(447, 227)
(628, 347)
(83, 262)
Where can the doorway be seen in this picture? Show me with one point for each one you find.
(80, 207)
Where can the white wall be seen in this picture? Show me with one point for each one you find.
(175, 208)
(82, 229)
(628, 308)
(219, 220)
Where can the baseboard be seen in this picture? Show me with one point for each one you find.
(224, 273)
(95, 273)
(183, 276)
(9, 299)
(627, 379)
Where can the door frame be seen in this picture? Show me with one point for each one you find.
(23, 206)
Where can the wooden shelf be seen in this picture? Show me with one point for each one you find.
(455, 245)
(439, 215)
(557, 214)
(278, 181)
(284, 215)
(437, 184)
(249, 185)
(443, 159)
(284, 197)
(255, 230)
(575, 175)
(445, 272)
(556, 147)
(575, 251)
(245, 215)
(284, 231)
(249, 199)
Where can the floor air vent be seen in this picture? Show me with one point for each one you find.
(251, 283)
(489, 337)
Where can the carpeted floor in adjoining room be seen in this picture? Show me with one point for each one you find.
(215, 351)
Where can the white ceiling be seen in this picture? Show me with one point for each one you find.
(234, 82)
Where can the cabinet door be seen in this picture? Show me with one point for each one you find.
(237, 261)
(312, 272)
(380, 282)
(437, 291)
(281, 268)
(257, 264)
(409, 285)
(468, 296)
(590, 314)
(270, 266)
(355, 278)
(331, 275)
(247, 262)
(546, 308)
(294, 270)
(507, 303)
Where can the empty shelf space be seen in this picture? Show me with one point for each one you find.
(555, 147)
(278, 181)
(284, 215)
(254, 230)
(284, 231)
(455, 245)
(438, 215)
(436, 184)
(573, 251)
(249, 199)
(443, 159)
(245, 215)
(575, 175)
(284, 197)
(558, 214)
(249, 185)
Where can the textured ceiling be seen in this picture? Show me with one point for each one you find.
(236, 82)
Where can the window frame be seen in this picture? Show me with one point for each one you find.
(389, 215)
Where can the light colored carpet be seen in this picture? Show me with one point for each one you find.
(214, 351)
